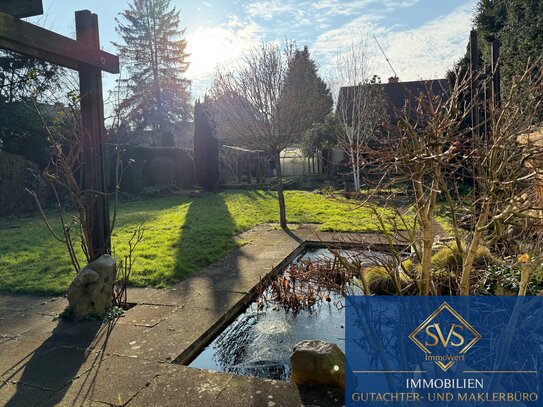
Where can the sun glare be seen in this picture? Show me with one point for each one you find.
(213, 46)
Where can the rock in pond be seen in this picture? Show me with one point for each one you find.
(91, 290)
(319, 363)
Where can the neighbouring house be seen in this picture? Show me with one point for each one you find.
(395, 93)
(240, 165)
(363, 109)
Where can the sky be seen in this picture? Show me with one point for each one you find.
(422, 38)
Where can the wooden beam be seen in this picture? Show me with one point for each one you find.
(93, 140)
(25, 38)
(21, 8)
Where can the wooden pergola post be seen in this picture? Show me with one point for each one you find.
(93, 139)
(474, 82)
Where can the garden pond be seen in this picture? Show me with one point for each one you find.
(259, 342)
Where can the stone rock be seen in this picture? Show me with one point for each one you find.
(318, 363)
(91, 290)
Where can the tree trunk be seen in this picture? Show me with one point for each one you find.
(425, 208)
(426, 264)
(354, 167)
(469, 257)
(280, 194)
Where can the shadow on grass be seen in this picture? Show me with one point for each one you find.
(134, 213)
(208, 235)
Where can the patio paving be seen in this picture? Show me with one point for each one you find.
(45, 361)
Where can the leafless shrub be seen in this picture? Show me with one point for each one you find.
(124, 269)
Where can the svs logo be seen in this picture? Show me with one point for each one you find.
(434, 331)
(445, 337)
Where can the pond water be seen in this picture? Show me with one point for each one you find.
(259, 342)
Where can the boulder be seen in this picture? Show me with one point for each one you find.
(91, 290)
(318, 363)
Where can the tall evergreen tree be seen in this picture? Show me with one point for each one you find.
(517, 25)
(154, 55)
(22, 77)
(206, 148)
(304, 85)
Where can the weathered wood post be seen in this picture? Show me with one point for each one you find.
(93, 140)
(496, 75)
(474, 82)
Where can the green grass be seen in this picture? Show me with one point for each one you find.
(182, 235)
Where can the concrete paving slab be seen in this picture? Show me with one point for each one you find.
(146, 315)
(51, 401)
(214, 285)
(244, 391)
(170, 296)
(79, 335)
(193, 321)
(159, 343)
(4, 313)
(15, 355)
(20, 322)
(223, 300)
(20, 302)
(271, 254)
(197, 283)
(114, 339)
(52, 368)
(114, 382)
(244, 283)
(53, 306)
(251, 250)
(183, 387)
(15, 395)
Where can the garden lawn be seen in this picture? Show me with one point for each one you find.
(181, 236)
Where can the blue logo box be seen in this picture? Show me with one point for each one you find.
(444, 351)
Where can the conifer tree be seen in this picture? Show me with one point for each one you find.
(516, 24)
(155, 58)
(303, 84)
(206, 148)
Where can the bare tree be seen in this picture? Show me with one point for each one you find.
(360, 106)
(422, 143)
(254, 108)
(505, 163)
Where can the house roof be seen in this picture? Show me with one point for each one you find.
(397, 94)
